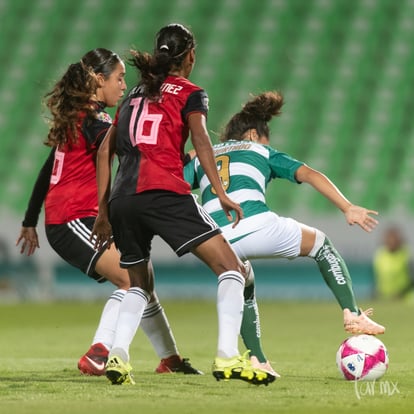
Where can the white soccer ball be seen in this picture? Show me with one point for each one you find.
(362, 357)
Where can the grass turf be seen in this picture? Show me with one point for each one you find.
(41, 343)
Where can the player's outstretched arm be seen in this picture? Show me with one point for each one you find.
(354, 214)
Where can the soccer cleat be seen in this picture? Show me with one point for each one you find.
(361, 324)
(94, 361)
(176, 364)
(119, 372)
(265, 366)
(240, 367)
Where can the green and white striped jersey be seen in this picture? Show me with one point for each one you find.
(245, 169)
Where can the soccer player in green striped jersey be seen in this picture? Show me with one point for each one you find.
(247, 164)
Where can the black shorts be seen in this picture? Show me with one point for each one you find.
(178, 219)
(71, 242)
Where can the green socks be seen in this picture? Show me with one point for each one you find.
(336, 275)
(250, 327)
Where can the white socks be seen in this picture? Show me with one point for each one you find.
(155, 325)
(106, 328)
(126, 310)
(230, 312)
(130, 314)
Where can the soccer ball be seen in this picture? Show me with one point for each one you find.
(362, 357)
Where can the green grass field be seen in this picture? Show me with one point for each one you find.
(41, 343)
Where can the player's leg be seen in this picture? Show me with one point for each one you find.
(189, 228)
(133, 240)
(255, 237)
(93, 362)
(107, 266)
(131, 310)
(250, 330)
(71, 241)
(156, 327)
(154, 322)
(334, 270)
(220, 257)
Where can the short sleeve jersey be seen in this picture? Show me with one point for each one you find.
(73, 189)
(150, 138)
(245, 169)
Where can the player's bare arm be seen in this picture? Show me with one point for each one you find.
(102, 229)
(203, 148)
(354, 214)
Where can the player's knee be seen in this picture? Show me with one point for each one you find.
(320, 238)
(249, 272)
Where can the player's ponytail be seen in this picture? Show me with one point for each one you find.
(255, 114)
(264, 106)
(172, 43)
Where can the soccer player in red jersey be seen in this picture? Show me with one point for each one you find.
(67, 185)
(150, 196)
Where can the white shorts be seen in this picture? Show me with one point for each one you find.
(265, 235)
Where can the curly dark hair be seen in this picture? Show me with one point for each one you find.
(74, 94)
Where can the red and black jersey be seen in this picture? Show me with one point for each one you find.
(151, 136)
(73, 190)
(69, 176)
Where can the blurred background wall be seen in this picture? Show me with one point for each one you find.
(345, 67)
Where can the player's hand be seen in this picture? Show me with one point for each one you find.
(30, 240)
(228, 206)
(101, 233)
(191, 154)
(361, 216)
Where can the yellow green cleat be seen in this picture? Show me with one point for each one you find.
(240, 367)
(119, 372)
